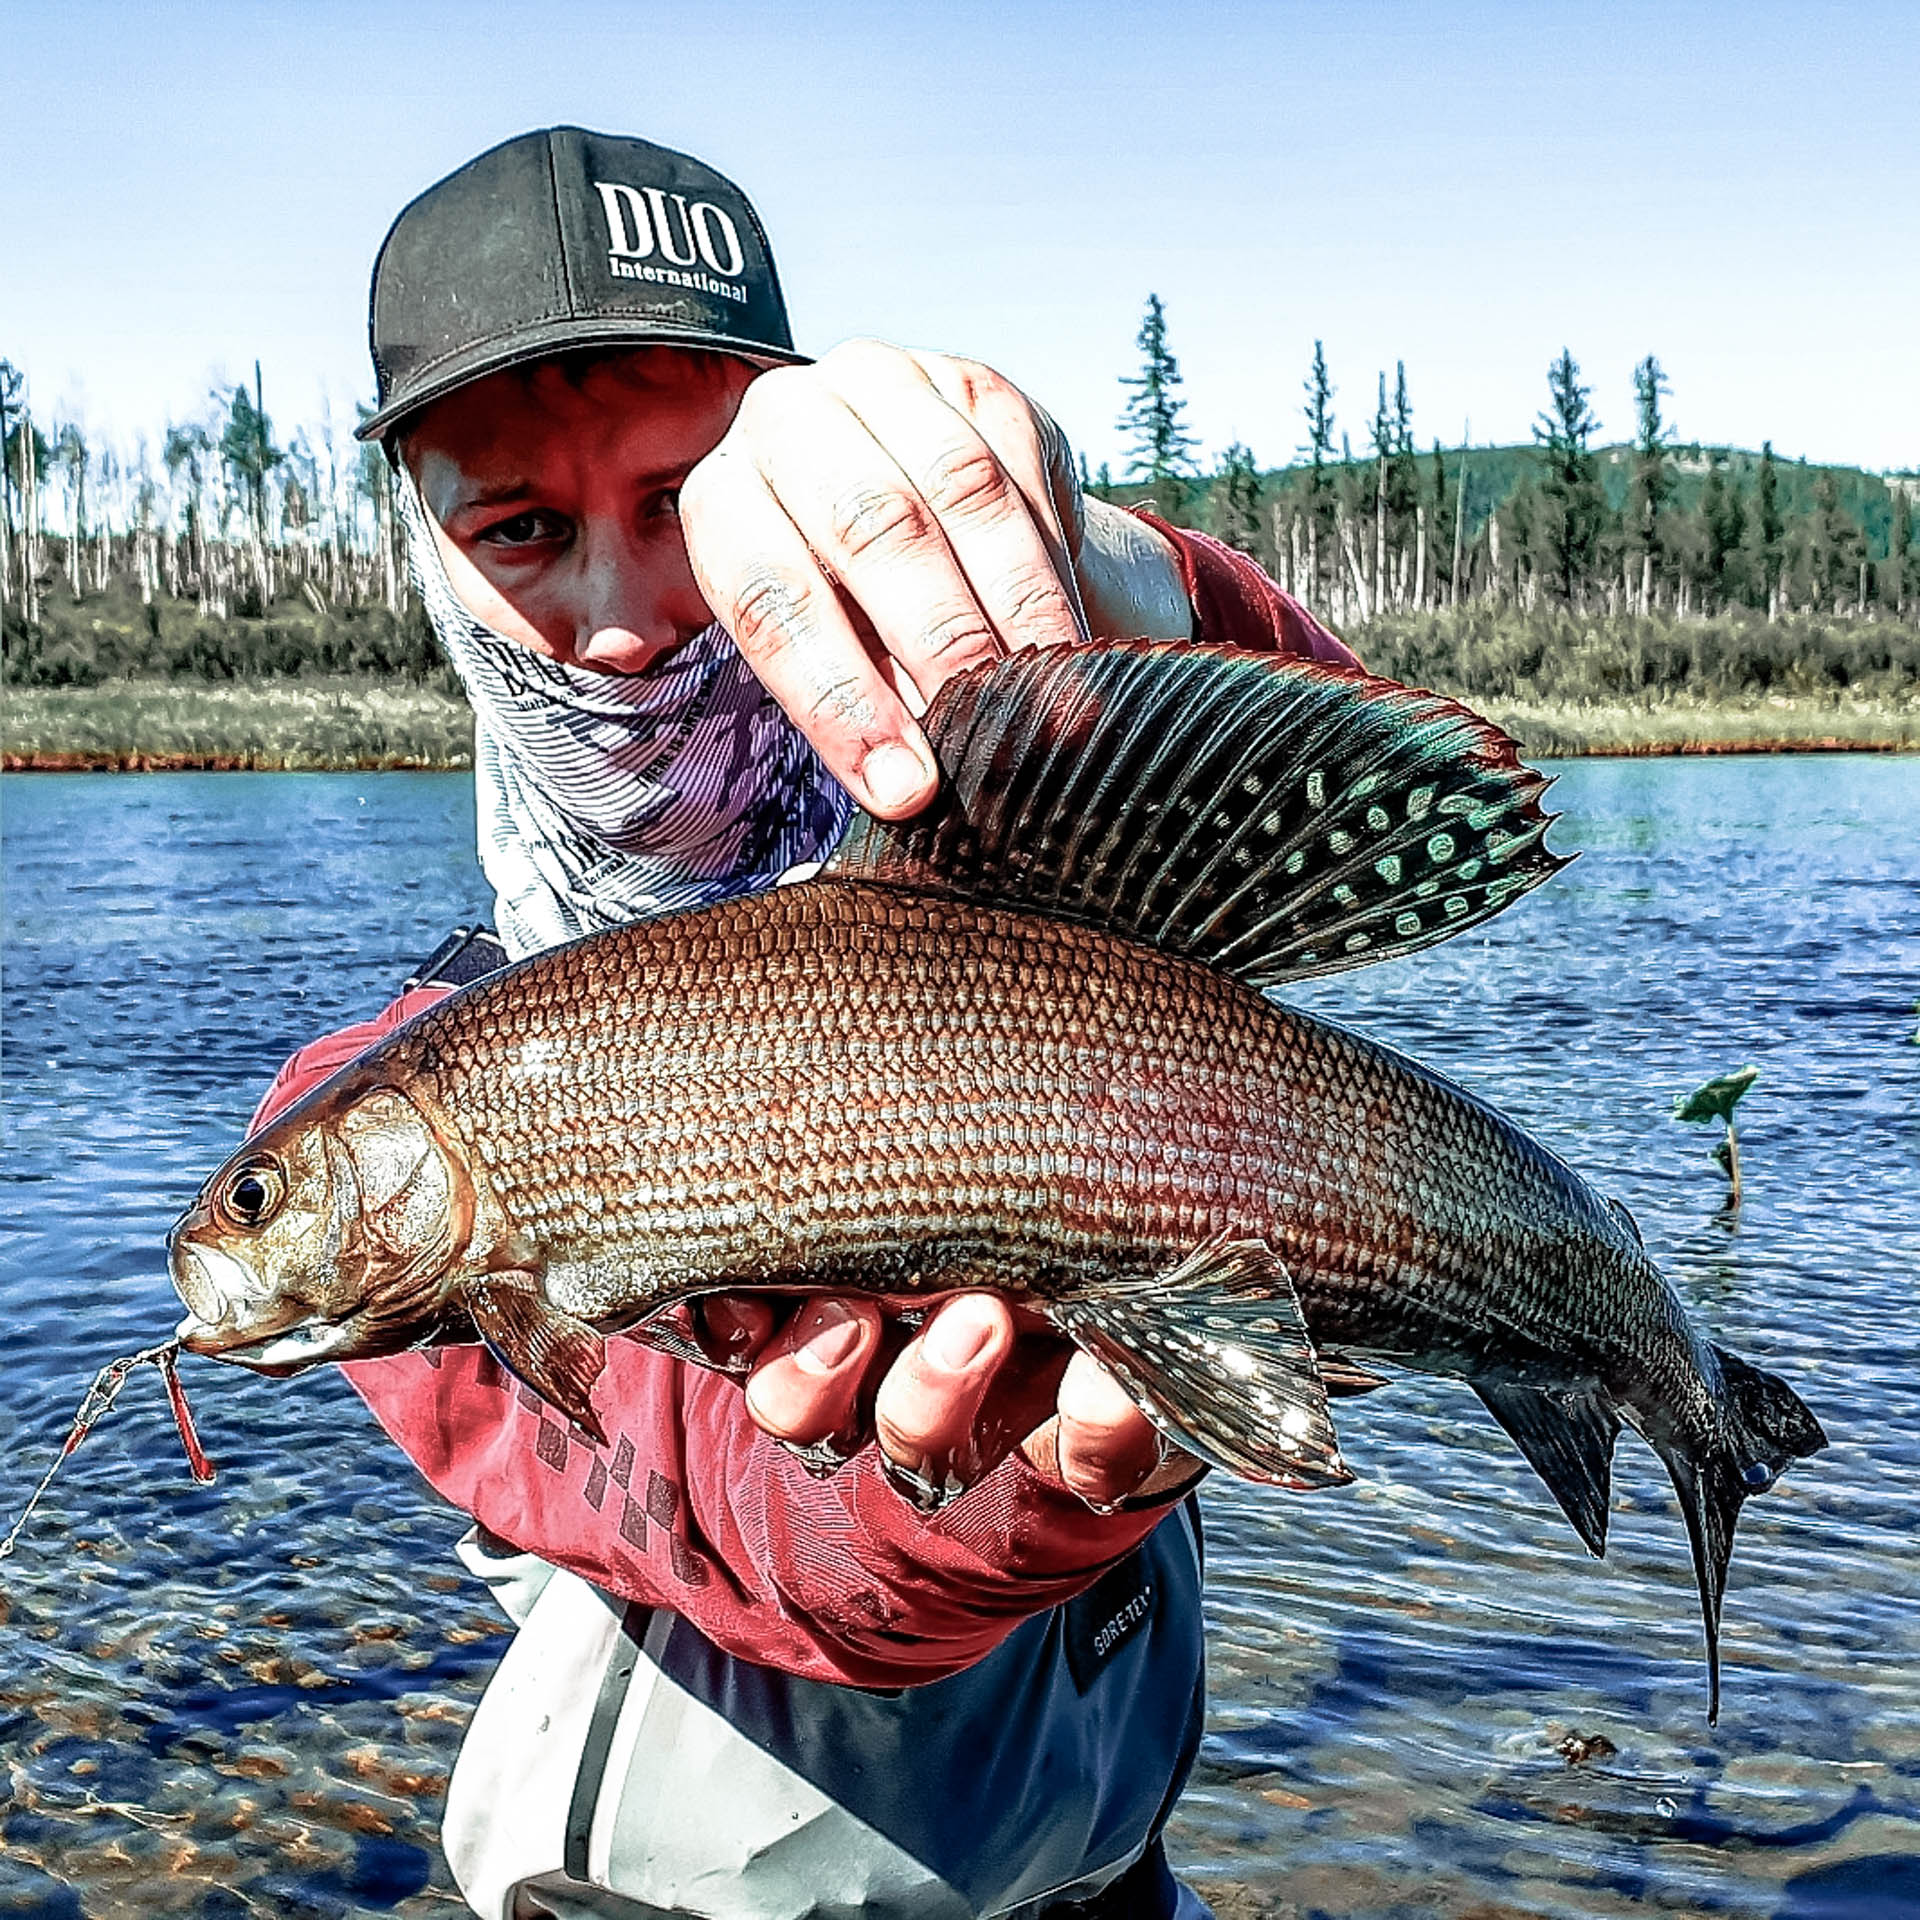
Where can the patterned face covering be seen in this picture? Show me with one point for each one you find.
(606, 797)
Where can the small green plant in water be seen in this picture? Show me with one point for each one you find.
(1716, 1101)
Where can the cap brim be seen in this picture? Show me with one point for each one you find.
(570, 335)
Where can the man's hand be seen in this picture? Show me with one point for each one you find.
(868, 527)
(874, 523)
(947, 1406)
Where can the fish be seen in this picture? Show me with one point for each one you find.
(1028, 1041)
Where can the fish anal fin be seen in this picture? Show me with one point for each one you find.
(1271, 817)
(1345, 1378)
(1568, 1440)
(1216, 1353)
(559, 1357)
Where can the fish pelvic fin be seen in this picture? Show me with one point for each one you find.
(1770, 1427)
(559, 1357)
(1270, 817)
(1568, 1439)
(1216, 1353)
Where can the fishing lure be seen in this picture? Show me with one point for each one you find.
(100, 1396)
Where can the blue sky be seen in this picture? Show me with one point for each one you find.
(1466, 187)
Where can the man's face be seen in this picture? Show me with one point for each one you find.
(553, 493)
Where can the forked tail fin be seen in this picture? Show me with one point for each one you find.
(1772, 1427)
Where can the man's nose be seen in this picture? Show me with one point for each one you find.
(623, 606)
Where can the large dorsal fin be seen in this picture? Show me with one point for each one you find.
(1274, 818)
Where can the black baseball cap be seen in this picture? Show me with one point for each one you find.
(565, 239)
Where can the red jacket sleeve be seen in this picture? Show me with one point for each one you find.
(691, 1507)
(1235, 604)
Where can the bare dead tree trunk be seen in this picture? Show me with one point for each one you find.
(1355, 568)
(384, 531)
(1459, 531)
(1380, 530)
(1420, 558)
(29, 524)
(1495, 580)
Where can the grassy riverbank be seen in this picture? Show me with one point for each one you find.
(311, 725)
(290, 726)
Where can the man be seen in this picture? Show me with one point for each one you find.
(697, 590)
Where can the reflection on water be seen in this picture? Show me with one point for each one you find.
(246, 1698)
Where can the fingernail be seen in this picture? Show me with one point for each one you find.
(956, 1338)
(830, 1332)
(894, 775)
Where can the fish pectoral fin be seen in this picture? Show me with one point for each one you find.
(1568, 1439)
(1216, 1353)
(559, 1357)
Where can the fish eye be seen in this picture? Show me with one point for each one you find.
(253, 1193)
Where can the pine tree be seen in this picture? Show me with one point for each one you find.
(1236, 500)
(1381, 432)
(1439, 519)
(1836, 543)
(1771, 527)
(1569, 481)
(1899, 547)
(1163, 449)
(246, 445)
(1403, 492)
(1722, 515)
(1652, 476)
(1322, 505)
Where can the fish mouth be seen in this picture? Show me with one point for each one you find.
(213, 1284)
(286, 1350)
(225, 1299)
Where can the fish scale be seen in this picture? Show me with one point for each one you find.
(1021, 1042)
(930, 1116)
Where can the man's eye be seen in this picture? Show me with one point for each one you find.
(530, 529)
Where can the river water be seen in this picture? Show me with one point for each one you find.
(245, 1698)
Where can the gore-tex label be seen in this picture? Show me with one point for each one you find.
(1110, 1613)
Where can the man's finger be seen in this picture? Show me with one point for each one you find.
(1106, 1447)
(883, 542)
(926, 1409)
(807, 1386)
(766, 587)
(732, 1328)
(1030, 446)
(978, 478)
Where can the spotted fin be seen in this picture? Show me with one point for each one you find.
(1273, 818)
(1216, 1354)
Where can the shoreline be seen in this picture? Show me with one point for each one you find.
(347, 725)
(133, 761)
